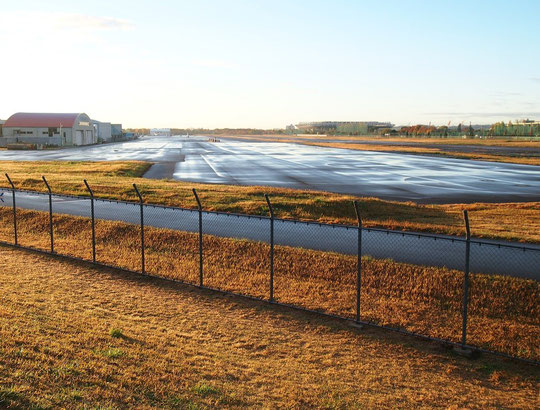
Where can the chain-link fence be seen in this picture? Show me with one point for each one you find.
(473, 293)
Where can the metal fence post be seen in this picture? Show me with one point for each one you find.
(200, 238)
(271, 247)
(359, 263)
(50, 213)
(143, 268)
(93, 221)
(14, 210)
(466, 278)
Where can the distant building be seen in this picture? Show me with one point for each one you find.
(48, 129)
(116, 131)
(290, 129)
(164, 132)
(341, 127)
(103, 130)
(1, 125)
(527, 122)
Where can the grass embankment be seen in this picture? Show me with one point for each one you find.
(517, 142)
(504, 312)
(509, 221)
(418, 146)
(72, 336)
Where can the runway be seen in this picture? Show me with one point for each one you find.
(392, 176)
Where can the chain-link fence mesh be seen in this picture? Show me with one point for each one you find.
(316, 266)
(33, 220)
(7, 230)
(236, 253)
(411, 282)
(504, 310)
(171, 243)
(72, 226)
(118, 234)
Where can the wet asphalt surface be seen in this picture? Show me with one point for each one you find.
(487, 256)
(392, 176)
(450, 148)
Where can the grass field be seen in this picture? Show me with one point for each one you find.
(510, 221)
(419, 146)
(504, 312)
(73, 336)
(521, 142)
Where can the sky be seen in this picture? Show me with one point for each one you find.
(267, 64)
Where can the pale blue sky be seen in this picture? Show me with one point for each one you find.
(271, 63)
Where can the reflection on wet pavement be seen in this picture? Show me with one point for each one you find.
(385, 175)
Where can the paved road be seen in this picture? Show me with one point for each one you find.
(391, 176)
(492, 257)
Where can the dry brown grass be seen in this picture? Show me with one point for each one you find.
(504, 311)
(509, 221)
(524, 142)
(185, 348)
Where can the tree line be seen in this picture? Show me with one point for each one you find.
(515, 130)
(527, 129)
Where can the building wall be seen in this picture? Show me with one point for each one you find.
(164, 132)
(104, 130)
(38, 136)
(54, 141)
(116, 130)
(83, 123)
(63, 136)
(91, 130)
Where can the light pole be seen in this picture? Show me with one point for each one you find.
(61, 138)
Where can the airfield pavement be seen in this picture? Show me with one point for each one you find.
(391, 176)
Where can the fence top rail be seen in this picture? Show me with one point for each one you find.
(480, 242)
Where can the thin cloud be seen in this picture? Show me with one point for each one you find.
(55, 21)
(504, 94)
(212, 63)
(535, 79)
(87, 22)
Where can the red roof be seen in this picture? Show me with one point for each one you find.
(30, 119)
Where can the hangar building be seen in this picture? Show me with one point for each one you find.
(103, 131)
(116, 130)
(44, 129)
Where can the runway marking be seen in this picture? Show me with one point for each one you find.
(253, 151)
(225, 149)
(219, 174)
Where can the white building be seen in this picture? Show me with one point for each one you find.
(164, 132)
(116, 130)
(47, 129)
(103, 130)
